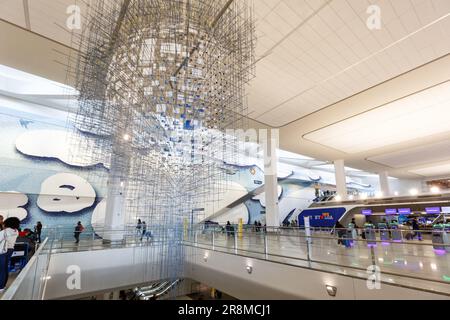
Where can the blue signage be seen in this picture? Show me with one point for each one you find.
(366, 212)
(434, 210)
(404, 211)
(390, 211)
(324, 217)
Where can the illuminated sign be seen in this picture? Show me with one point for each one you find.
(366, 212)
(433, 210)
(404, 211)
(390, 211)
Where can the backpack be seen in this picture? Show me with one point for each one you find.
(4, 244)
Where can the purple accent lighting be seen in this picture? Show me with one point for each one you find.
(366, 212)
(404, 211)
(440, 252)
(434, 210)
(390, 211)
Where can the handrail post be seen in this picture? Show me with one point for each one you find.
(235, 243)
(266, 249)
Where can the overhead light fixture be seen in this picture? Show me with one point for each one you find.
(126, 137)
(379, 194)
(338, 198)
(414, 192)
(332, 291)
(396, 193)
(435, 190)
(249, 269)
(351, 197)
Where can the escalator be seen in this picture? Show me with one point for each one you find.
(156, 291)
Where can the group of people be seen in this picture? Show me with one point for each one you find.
(341, 230)
(141, 228)
(258, 226)
(290, 224)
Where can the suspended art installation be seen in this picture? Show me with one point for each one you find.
(160, 82)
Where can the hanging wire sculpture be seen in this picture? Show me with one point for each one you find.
(160, 82)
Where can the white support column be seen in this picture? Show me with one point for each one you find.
(384, 184)
(115, 203)
(341, 181)
(271, 178)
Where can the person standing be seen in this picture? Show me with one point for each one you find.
(1, 222)
(78, 230)
(8, 237)
(144, 230)
(416, 229)
(38, 231)
(139, 226)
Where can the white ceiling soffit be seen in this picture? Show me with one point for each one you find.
(442, 170)
(314, 53)
(431, 153)
(420, 115)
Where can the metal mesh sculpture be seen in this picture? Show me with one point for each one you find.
(160, 81)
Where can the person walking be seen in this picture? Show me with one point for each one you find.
(139, 226)
(38, 231)
(416, 228)
(78, 230)
(8, 237)
(339, 231)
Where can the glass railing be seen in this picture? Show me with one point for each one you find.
(62, 239)
(30, 283)
(423, 265)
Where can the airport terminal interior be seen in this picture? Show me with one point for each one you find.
(224, 150)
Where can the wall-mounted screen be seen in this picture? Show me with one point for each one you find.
(433, 210)
(390, 211)
(404, 211)
(366, 212)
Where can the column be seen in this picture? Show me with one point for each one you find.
(341, 181)
(271, 177)
(384, 183)
(117, 186)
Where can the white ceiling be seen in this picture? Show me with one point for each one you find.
(323, 77)
(313, 55)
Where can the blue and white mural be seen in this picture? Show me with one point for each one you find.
(39, 180)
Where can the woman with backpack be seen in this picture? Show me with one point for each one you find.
(78, 230)
(8, 237)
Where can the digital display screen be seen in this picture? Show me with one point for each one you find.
(404, 211)
(366, 212)
(390, 211)
(433, 210)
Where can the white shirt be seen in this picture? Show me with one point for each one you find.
(11, 237)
